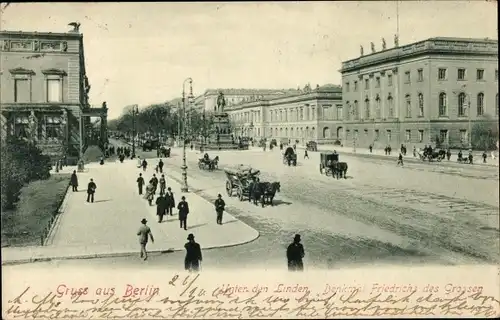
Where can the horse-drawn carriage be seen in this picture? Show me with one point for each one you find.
(312, 146)
(238, 181)
(432, 155)
(245, 182)
(290, 157)
(208, 164)
(329, 164)
(165, 152)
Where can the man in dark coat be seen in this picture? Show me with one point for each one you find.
(193, 255)
(163, 184)
(91, 190)
(160, 166)
(295, 254)
(161, 207)
(219, 208)
(144, 165)
(140, 183)
(74, 181)
(183, 208)
(155, 182)
(170, 200)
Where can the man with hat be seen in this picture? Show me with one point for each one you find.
(193, 254)
(170, 201)
(219, 208)
(295, 254)
(143, 233)
(183, 208)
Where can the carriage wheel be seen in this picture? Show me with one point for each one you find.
(229, 188)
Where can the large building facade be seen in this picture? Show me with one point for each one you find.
(44, 89)
(302, 115)
(421, 93)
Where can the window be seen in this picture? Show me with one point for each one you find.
(356, 110)
(389, 80)
(408, 106)
(367, 84)
(347, 87)
(367, 108)
(22, 90)
(52, 128)
(340, 114)
(443, 110)
(390, 105)
(420, 105)
(420, 135)
(461, 104)
(377, 134)
(355, 86)
(408, 135)
(463, 136)
(407, 77)
(461, 74)
(53, 90)
(480, 104)
(349, 111)
(377, 82)
(443, 136)
(389, 135)
(441, 74)
(21, 126)
(480, 74)
(377, 107)
(420, 75)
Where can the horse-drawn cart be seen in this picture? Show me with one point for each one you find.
(290, 157)
(238, 181)
(326, 161)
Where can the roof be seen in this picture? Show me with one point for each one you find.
(35, 34)
(242, 91)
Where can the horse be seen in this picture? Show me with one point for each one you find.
(214, 163)
(339, 169)
(270, 189)
(256, 192)
(439, 155)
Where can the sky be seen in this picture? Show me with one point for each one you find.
(141, 53)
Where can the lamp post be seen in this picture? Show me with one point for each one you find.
(135, 110)
(184, 167)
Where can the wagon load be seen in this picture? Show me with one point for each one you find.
(243, 171)
(238, 180)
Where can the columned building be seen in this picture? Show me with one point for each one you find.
(304, 115)
(44, 89)
(428, 92)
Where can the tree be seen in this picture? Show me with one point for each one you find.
(484, 134)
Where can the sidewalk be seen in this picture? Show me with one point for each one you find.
(108, 227)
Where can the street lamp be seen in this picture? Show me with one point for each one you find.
(135, 110)
(190, 98)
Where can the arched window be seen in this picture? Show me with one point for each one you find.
(390, 107)
(326, 132)
(461, 104)
(480, 104)
(408, 105)
(377, 107)
(355, 111)
(367, 108)
(443, 108)
(420, 104)
(286, 132)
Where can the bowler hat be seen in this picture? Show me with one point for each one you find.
(144, 220)
(183, 198)
(219, 196)
(297, 237)
(190, 236)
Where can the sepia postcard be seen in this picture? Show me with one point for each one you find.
(249, 160)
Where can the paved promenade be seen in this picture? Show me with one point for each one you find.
(108, 226)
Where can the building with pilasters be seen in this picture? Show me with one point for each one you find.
(44, 90)
(421, 93)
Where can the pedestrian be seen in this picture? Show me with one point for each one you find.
(161, 207)
(400, 159)
(191, 146)
(140, 183)
(295, 253)
(150, 192)
(183, 208)
(155, 183)
(143, 233)
(91, 190)
(484, 156)
(193, 255)
(371, 148)
(448, 154)
(219, 208)
(101, 162)
(160, 166)
(414, 152)
(74, 181)
(163, 184)
(156, 168)
(306, 155)
(170, 201)
(144, 165)
(470, 157)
